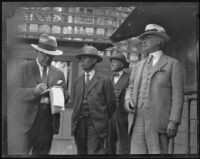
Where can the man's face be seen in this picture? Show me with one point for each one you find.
(150, 43)
(116, 65)
(45, 59)
(87, 63)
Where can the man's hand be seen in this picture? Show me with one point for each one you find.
(129, 106)
(172, 129)
(39, 89)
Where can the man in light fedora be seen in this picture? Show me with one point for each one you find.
(155, 95)
(118, 139)
(31, 125)
(93, 100)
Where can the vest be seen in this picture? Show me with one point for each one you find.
(143, 97)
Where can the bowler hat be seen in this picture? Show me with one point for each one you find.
(154, 29)
(48, 45)
(89, 51)
(120, 57)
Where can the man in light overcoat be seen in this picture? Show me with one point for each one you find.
(154, 98)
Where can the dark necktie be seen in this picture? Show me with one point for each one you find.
(87, 78)
(150, 61)
(44, 75)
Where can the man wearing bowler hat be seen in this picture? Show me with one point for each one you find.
(154, 96)
(93, 99)
(118, 139)
(30, 123)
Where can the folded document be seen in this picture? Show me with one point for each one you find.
(57, 99)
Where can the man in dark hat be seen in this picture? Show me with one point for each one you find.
(30, 123)
(155, 95)
(93, 99)
(118, 139)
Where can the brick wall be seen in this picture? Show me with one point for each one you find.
(180, 141)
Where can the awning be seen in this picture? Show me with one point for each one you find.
(179, 19)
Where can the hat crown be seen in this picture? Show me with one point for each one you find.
(154, 27)
(119, 56)
(47, 42)
(89, 50)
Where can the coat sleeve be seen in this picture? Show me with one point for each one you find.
(177, 92)
(20, 92)
(109, 96)
(129, 90)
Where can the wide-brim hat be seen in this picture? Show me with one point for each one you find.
(154, 29)
(48, 45)
(120, 57)
(89, 51)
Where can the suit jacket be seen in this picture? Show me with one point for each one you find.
(166, 91)
(23, 108)
(121, 86)
(101, 101)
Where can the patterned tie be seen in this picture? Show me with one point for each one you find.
(87, 78)
(150, 61)
(44, 75)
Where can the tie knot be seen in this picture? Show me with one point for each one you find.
(116, 74)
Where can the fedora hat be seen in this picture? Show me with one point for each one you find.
(48, 45)
(120, 57)
(89, 51)
(154, 29)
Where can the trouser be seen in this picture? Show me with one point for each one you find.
(118, 141)
(145, 139)
(86, 138)
(37, 141)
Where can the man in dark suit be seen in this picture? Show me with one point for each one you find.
(155, 94)
(118, 139)
(94, 102)
(30, 123)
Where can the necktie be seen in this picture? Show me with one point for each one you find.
(150, 61)
(87, 78)
(44, 75)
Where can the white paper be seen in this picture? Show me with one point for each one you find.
(57, 100)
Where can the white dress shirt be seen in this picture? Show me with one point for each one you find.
(91, 74)
(116, 78)
(41, 68)
(156, 56)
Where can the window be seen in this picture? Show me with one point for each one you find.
(89, 11)
(70, 19)
(45, 29)
(22, 27)
(81, 10)
(89, 31)
(79, 19)
(99, 11)
(56, 29)
(67, 30)
(79, 30)
(100, 21)
(56, 18)
(33, 28)
(89, 20)
(100, 31)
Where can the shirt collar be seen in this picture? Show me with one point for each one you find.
(91, 73)
(156, 54)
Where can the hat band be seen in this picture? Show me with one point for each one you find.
(47, 47)
(151, 30)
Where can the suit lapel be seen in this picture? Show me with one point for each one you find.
(93, 81)
(36, 72)
(120, 81)
(160, 64)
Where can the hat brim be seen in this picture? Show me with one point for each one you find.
(126, 64)
(99, 58)
(163, 35)
(55, 53)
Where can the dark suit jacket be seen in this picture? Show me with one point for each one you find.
(23, 108)
(101, 101)
(121, 86)
(166, 91)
